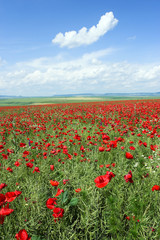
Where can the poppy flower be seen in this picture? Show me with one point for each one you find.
(22, 235)
(17, 164)
(58, 213)
(17, 193)
(2, 199)
(51, 167)
(5, 211)
(103, 180)
(59, 191)
(156, 187)
(22, 144)
(101, 149)
(51, 202)
(65, 181)
(10, 196)
(107, 165)
(2, 185)
(30, 165)
(132, 148)
(36, 169)
(78, 190)
(129, 155)
(9, 169)
(113, 164)
(54, 183)
(128, 177)
(5, 156)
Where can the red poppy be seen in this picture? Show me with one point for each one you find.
(9, 169)
(78, 190)
(103, 180)
(36, 169)
(51, 167)
(65, 181)
(101, 149)
(113, 164)
(30, 165)
(22, 235)
(5, 156)
(129, 155)
(59, 191)
(58, 213)
(17, 164)
(107, 165)
(128, 177)
(51, 202)
(132, 148)
(5, 211)
(156, 187)
(22, 144)
(2, 199)
(54, 183)
(17, 192)
(2, 185)
(10, 196)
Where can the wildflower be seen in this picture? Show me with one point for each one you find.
(2, 185)
(51, 202)
(103, 180)
(59, 191)
(22, 235)
(129, 155)
(5, 211)
(36, 169)
(2, 199)
(22, 144)
(58, 213)
(65, 181)
(156, 187)
(51, 167)
(78, 190)
(54, 183)
(30, 165)
(128, 177)
(101, 149)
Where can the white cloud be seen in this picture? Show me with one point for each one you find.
(89, 73)
(73, 39)
(2, 62)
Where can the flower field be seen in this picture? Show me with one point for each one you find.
(80, 171)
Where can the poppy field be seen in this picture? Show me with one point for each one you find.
(80, 171)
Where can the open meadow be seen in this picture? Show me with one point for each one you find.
(74, 171)
(75, 99)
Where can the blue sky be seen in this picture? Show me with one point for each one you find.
(52, 47)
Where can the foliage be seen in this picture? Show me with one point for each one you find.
(80, 171)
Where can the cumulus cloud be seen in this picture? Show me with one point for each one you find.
(88, 73)
(86, 36)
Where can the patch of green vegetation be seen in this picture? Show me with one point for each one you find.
(56, 100)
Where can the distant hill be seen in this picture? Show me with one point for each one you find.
(9, 96)
(140, 94)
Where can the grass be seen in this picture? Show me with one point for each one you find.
(93, 213)
(56, 100)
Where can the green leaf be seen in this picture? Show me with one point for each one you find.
(64, 196)
(35, 237)
(73, 202)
